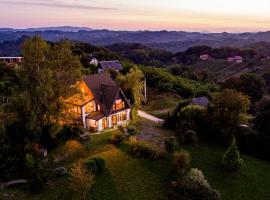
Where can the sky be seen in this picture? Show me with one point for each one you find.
(186, 15)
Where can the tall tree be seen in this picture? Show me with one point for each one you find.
(133, 84)
(253, 86)
(226, 111)
(46, 76)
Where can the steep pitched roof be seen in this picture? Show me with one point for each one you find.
(104, 90)
(114, 64)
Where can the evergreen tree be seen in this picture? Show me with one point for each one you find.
(232, 160)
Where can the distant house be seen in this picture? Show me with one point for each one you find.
(230, 59)
(204, 57)
(94, 62)
(101, 103)
(11, 60)
(236, 59)
(200, 101)
(114, 64)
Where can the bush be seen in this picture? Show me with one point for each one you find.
(81, 180)
(142, 150)
(121, 129)
(232, 161)
(191, 137)
(101, 163)
(181, 162)
(181, 138)
(30, 161)
(170, 145)
(193, 186)
(117, 138)
(91, 166)
(132, 130)
(36, 185)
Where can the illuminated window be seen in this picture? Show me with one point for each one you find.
(119, 104)
(83, 91)
(123, 116)
(114, 119)
(89, 108)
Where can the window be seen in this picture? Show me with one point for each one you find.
(89, 108)
(123, 116)
(83, 91)
(119, 104)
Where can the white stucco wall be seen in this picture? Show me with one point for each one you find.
(99, 125)
(83, 116)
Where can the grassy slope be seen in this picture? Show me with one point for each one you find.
(253, 183)
(131, 178)
(127, 178)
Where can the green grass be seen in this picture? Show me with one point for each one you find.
(129, 178)
(126, 177)
(251, 184)
(161, 105)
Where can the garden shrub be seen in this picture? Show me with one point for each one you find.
(232, 161)
(132, 130)
(191, 137)
(117, 138)
(121, 129)
(170, 145)
(81, 180)
(193, 186)
(36, 185)
(101, 164)
(30, 161)
(181, 162)
(91, 166)
(142, 150)
(181, 138)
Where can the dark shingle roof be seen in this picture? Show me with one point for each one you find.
(96, 116)
(114, 64)
(104, 90)
(200, 101)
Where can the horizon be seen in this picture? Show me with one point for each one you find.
(154, 15)
(135, 30)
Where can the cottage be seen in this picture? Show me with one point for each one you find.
(105, 65)
(101, 103)
(230, 59)
(238, 59)
(11, 60)
(94, 62)
(204, 57)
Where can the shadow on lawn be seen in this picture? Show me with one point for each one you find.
(160, 167)
(104, 188)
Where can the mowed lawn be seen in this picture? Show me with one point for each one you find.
(251, 184)
(129, 178)
(126, 177)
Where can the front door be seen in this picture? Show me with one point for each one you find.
(104, 123)
(114, 119)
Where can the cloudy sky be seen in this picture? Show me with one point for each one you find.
(190, 15)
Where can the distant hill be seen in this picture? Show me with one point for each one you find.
(57, 28)
(173, 41)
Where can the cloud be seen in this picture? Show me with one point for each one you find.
(53, 3)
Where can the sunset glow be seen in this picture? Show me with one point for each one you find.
(191, 15)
